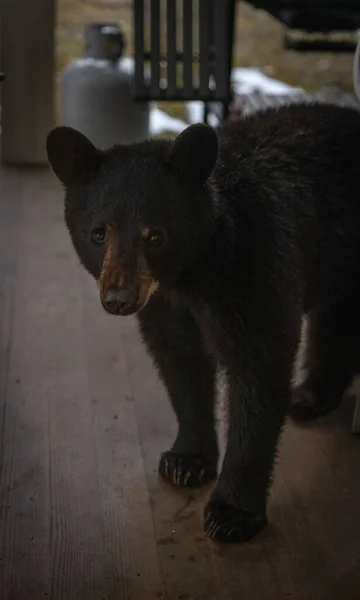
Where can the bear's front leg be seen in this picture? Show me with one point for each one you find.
(176, 345)
(259, 392)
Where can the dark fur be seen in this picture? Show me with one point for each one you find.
(272, 232)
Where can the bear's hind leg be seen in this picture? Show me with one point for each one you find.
(189, 374)
(332, 360)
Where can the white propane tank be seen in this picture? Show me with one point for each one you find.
(96, 91)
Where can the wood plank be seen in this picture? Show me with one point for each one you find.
(327, 458)
(10, 216)
(27, 59)
(24, 482)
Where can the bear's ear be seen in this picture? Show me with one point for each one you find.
(70, 153)
(194, 152)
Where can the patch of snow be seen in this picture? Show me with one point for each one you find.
(160, 121)
(249, 80)
(195, 111)
(213, 120)
(245, 81)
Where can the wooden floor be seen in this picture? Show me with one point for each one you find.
(83, 420)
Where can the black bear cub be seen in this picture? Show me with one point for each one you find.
(220, 242)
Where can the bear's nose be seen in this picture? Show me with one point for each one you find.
(119, 301)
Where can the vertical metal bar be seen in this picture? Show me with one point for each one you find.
(231, 17)
(171, 46)
(139, 46)
(203, 26)
(188, 47)
(221, 11)
(155, 46)
(206, 112)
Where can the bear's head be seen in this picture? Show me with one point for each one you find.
(140, 216)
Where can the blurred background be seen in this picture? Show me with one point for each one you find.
(258, 43)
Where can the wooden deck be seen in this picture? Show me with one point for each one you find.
(83, 420)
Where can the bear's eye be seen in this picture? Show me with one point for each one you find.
(98, 235)
(155, 238)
